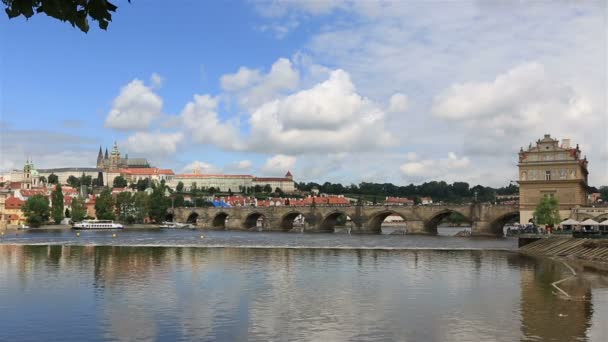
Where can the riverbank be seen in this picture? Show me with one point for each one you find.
(68, 227)
(592, 253)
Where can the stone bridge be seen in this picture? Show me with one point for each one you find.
(485, 219)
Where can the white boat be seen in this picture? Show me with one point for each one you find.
(174, 225)
(97, 224)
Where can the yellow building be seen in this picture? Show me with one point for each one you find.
(551, 169)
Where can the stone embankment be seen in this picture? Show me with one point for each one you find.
(592, 252)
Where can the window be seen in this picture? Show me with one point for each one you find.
(547, 175)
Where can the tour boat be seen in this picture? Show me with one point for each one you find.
(97, 224)
(175, 225)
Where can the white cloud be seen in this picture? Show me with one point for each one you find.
(435, 169)
(156, 80)
(398, 103)
(200, 167)
(135, 108)
(154, 144)
(201, 120)
(329, 117)
(252, 88)
(243, 78)
(278, 165)
(517, 106)
(244, 164)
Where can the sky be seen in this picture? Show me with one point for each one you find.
(340, 91)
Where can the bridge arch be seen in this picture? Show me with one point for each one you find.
(497, 226)
(192, 217)
(331, 220)
(219, 221)
(374, 223)
(251, 221)
(602, 217)
(287, 221)
(436, 219)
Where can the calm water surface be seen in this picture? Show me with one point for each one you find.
(71, 288)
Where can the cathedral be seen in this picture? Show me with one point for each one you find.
(113, 161)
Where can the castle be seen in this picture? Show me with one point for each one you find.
(113, 161)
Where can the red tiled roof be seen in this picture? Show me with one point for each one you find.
(200, 175)
(15, 185)
(271, 179)
(13, 203)
(147, 171)
(288, 174)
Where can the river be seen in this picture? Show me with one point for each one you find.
(173, 285)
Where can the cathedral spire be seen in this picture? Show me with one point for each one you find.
(106, 155)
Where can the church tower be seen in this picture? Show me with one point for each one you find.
(115, 158)
(100, 159)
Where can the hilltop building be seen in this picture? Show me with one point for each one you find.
(234, 183)
(113, 161)
(551, 169)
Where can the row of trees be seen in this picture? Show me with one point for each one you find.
(37, 210)
(126, 207)
(439, 191)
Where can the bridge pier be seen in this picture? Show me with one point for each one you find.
(482, 228)
(419, 228)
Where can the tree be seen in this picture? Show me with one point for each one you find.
(180, 186)
(140, 206)
(193, 188)
(100, 178)
(57, 204)
(604, 193)
(73, 181)
(76, 12)
(104, 205)
(78, 210)
(267, 188)
(547, 211)
(279, 192)
(119, 182)
(42, 179)
(67, 213)
(178, 201)
(158, 204)
(53, 179)
(85, 180)
(143, 184)
(212, 190)
(229, 192)
(124, 206)
(36, 210)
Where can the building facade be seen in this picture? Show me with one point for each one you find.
(113, 161)
(554, 170)
(234, 183)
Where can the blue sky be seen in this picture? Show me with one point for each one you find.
(334, 90)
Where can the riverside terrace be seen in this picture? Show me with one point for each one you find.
(486, 219)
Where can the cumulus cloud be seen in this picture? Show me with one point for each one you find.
(252, 88)
(198, 166)
(435, 168)
(398, 103)
(520, 104)
(329, 117)
(201, 120)
(242, 79)
(156, 80)
(135, 108)
(157, 144)
(278, 165)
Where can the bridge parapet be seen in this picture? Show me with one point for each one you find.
(422, 219)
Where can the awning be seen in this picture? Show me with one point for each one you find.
(590, 222)
(570, 222)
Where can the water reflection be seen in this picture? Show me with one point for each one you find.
(143, 293)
